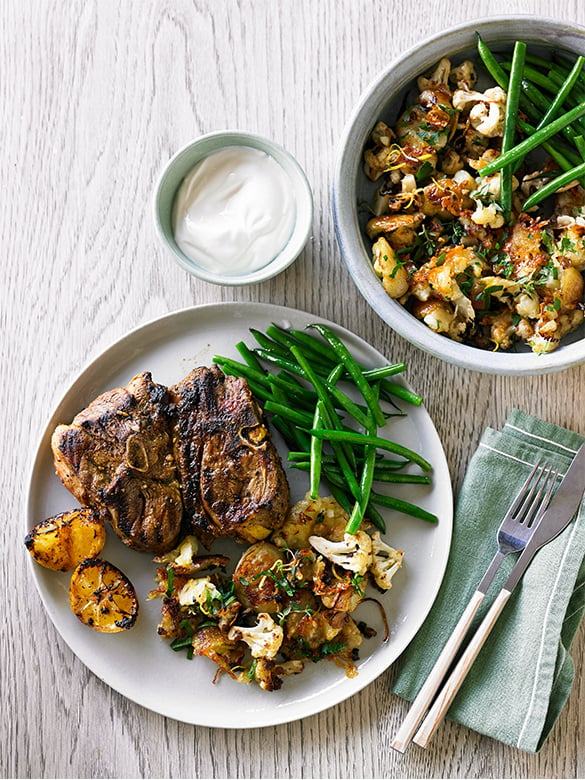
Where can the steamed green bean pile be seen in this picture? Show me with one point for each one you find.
(308, 381)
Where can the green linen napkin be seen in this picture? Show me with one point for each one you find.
(520, 681)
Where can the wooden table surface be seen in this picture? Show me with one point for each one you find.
(95, 97)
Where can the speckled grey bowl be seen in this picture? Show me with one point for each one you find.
(383, 100)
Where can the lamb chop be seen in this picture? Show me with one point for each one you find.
(117, 455)
(230, 472)
(196, 457)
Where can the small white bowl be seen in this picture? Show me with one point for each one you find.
(186, 158)
(383, 100)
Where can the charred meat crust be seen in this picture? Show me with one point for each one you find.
(117, 454)
(232, 479)
(197, 457)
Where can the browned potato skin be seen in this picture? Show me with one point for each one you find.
(61, 542)
(253, 589)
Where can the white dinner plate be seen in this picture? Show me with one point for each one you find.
(141, 665)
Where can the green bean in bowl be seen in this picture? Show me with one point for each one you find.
(458, 195)
(478, 223)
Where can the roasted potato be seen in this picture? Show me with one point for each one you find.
(61, 542)
(102, 597)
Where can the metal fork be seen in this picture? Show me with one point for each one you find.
(513, 534)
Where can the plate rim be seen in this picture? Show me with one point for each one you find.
(277, 716)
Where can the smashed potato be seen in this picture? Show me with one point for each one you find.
(61, 542)
(102, 597)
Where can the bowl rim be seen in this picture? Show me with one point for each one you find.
(344, 203)
(303, 197)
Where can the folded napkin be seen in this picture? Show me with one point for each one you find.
(524, 673)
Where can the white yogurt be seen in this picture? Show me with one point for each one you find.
(234, 211)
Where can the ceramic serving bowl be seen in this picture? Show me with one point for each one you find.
(183, 162)
(383, 99)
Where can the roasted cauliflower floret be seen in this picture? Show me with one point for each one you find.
(264, 639)
(198, 591)
(487, 109)
(393, 274)
(441, 276)
(385, 562)
(439, 77)
(268, 674)
(182, 556)
(353, 553)
(464, 75)
(441, 317)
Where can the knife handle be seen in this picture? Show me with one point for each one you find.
(423, 700)
(455, 680)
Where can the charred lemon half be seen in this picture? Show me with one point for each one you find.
(61, 542)
(102, 596)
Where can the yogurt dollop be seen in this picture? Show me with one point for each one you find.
(234, 211)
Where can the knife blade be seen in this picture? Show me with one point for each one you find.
(558, 515)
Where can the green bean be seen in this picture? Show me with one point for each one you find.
(552, 150)
(354, 371)
(241, 369)
(532, 141)
(286, 339)
(535, 76)
(541, 62)
(511, 115)
(383, 371)
(259, 391)
(544, 104)
(249, 357)
(553, 185)
(294, 437)
(292, 366)
(402, 506)
(267, 343)
(565, 89)
(384, 444)
(344, 454)
(375, 518)
(316, 453)
(379, 475)
(492, 66)
(367, 477)
(299, 392)
(302, 419)
(580, 144)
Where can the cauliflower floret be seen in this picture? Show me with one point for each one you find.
(354, 553)
(488, 109)
(464, 75)
(268, 674)
(488, 215)
(200, 591)
(527, 305)
(439, 76)
(440, 316)
(385, 562)
(182, 556)
(263, 639)
(394, 275)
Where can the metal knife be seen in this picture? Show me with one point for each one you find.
(557, 517)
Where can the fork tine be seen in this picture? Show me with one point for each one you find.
(527, 496)
(538, 497)
(541, 502)
(522, 492)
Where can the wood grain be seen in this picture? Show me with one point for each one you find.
(95, 96)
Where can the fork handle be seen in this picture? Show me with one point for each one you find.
(455, 680)
(423, 700)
